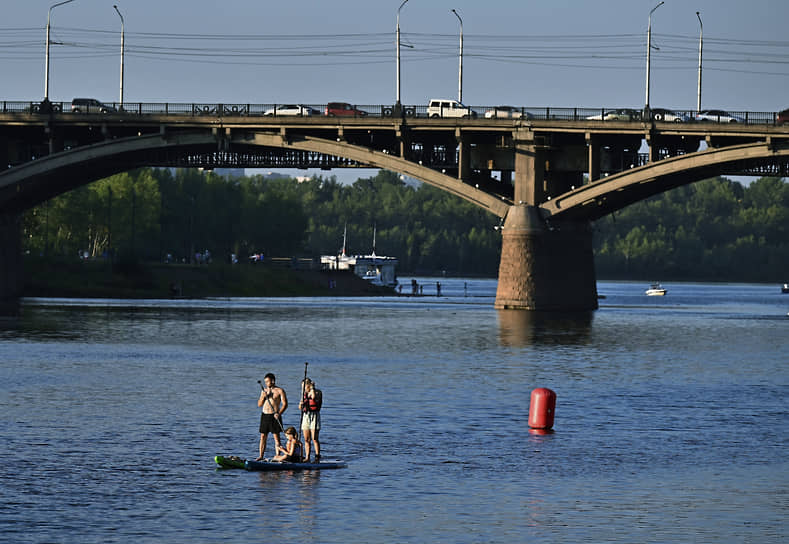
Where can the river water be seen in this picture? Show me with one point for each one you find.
(672, 418)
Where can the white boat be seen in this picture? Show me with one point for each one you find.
(785, 288)
(656, 290)
(377, 269)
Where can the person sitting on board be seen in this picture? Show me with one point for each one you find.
(293, 450)
(310, 407)
(274, 402)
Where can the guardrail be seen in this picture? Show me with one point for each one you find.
(196, 109)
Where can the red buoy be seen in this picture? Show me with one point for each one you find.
(542, 408)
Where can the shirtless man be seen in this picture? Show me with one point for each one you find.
(274, 402)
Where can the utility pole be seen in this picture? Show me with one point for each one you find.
(122, 48)
(649, 51)
(46, 68)
(397, 40)
(701, 45)
(460, 69)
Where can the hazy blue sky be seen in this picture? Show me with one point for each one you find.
(559, 53)
(524, 52)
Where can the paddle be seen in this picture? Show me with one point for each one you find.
(301, 412)
(268, 399)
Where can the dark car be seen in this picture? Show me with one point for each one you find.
(782, 118)
(343, 109)
(90, 105)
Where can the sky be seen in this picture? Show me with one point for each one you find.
(534, 53)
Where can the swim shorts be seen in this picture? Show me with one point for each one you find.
(269, 424)
(311, 421)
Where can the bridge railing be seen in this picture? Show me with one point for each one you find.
(383, 110)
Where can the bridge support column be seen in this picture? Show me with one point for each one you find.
(10, 259)
(594, 157)
(545, 267)
(464, 158)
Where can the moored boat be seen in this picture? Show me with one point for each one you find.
(377, 269)
(656, 290)
(785, 288)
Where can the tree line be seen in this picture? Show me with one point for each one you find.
(715, 229)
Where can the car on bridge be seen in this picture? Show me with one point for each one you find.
(507, 112)
(90, 105)
(292, 109)
(718, 116)
(621, 114)
(448, 108)
(782, 118)
(670, 116)
(343, 109)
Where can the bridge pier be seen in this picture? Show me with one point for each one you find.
(545, 267)
(10, 259)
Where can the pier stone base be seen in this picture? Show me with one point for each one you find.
(545, 267)
(10, 258)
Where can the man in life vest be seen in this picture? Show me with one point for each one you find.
(310, 407)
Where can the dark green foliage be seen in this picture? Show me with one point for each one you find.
(712, 230)
(148, 214)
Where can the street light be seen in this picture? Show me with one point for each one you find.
(122, 39)
(46, 70)
(649, 50)
(701, 42)
(398, 52)
(460, 69)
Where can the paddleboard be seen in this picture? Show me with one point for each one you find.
(230, 461)
(274, 465)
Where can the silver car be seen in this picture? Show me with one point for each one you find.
(669, 116)
(718, 116)
(507, 112)
(291, 109)
(622, 114)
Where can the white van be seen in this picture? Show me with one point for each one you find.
(448, 108)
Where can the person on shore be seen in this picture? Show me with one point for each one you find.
(310, 407)
(274, 402)
(293, 450)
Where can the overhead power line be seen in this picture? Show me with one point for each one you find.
(590, 51)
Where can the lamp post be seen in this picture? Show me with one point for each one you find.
(701, 43)
(460, 68)
(46, 69)
(649, 51)
(122, 44)
(398, 52)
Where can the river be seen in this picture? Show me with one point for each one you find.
(672, 418)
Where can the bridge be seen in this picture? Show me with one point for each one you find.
(548, 173)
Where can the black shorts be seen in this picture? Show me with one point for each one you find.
(269, 424)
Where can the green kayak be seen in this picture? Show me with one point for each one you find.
(231, 461)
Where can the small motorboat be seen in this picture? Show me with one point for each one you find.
(785, 288)
(656, 290)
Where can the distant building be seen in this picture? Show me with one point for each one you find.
(230, 173)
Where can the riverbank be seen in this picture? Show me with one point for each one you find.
(97, 279)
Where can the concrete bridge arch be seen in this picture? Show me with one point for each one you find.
(606, 195)
(547, 257)
(37, 181)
